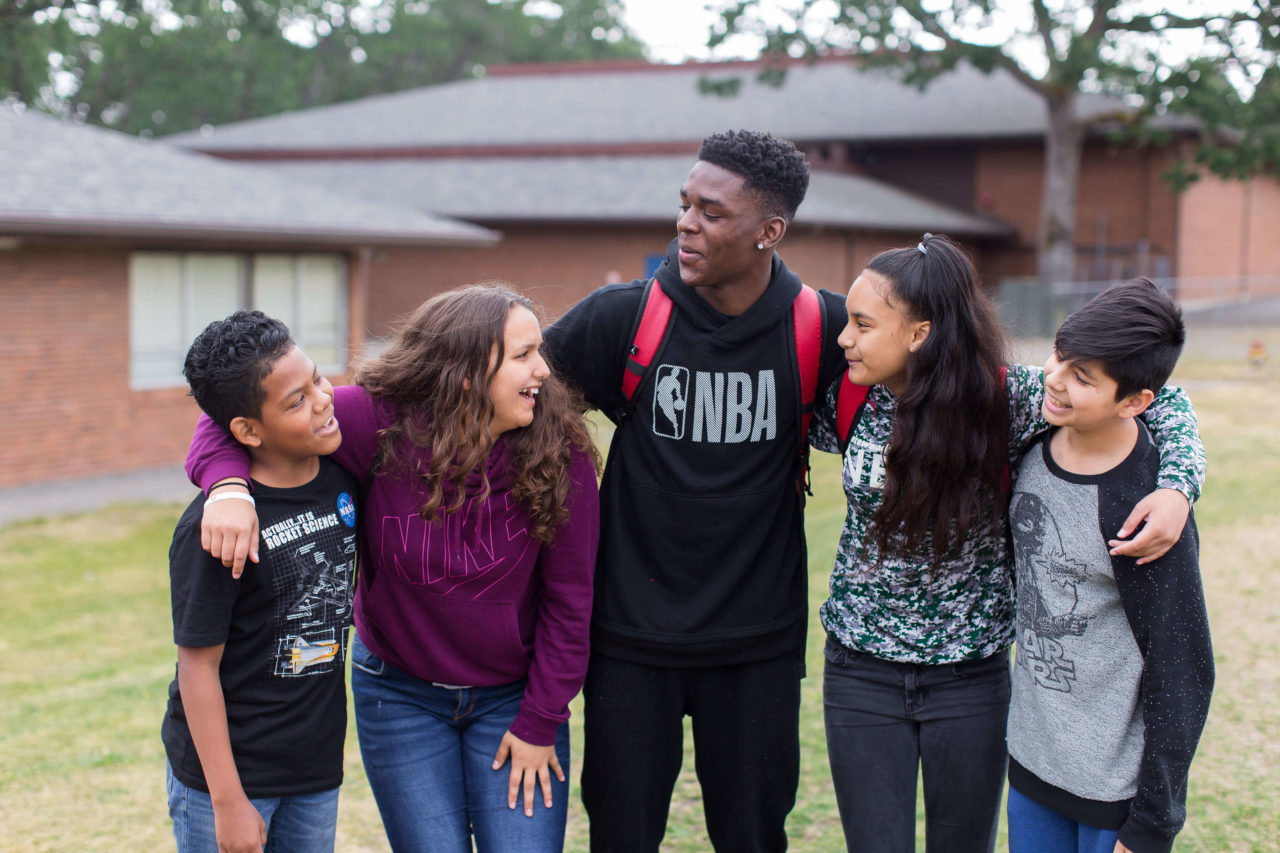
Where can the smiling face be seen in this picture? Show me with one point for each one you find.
(296, 424)
(878, 337)
(513, 390)
(719, 225)
(1081, 395)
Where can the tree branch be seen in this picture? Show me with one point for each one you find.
(991, 56)
(1101, 19)
(1044, 25)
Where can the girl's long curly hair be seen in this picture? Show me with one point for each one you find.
(437, 373)
(947, 457)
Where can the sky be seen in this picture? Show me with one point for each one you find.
(676, 30)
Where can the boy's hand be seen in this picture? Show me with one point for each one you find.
(528, 763)
(229, 532)
(1165, 512)
(1120, 848)
(239, 827)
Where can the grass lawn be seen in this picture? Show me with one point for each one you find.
(88, 657)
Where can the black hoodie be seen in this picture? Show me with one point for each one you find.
(702, 553)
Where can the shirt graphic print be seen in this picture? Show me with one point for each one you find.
(1050, 608)
(311, 557)
(715, 407)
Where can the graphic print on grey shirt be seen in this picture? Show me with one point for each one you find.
(1078, 668)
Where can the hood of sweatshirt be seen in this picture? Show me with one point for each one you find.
(730, 331)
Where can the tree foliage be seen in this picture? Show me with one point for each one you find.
(170, 65)
(1213, 60)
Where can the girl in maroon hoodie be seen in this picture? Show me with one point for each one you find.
(478, 541)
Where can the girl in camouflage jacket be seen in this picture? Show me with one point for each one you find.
(919, 618)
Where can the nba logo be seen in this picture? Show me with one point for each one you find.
(670, 400)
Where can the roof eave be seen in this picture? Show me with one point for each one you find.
(27, 225)
(995, 230)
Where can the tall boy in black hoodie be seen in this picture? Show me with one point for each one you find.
(701, 591)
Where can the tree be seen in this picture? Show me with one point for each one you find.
(1061, 49)
(171, 65)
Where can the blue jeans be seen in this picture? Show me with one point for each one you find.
(428, 751)
(884, 720)
(302, 823)
(1036, 829)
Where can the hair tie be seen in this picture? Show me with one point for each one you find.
(922, 249)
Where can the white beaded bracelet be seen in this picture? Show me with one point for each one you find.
(227, 496)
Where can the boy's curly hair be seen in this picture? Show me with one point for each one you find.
(228, 361)
(772, 169)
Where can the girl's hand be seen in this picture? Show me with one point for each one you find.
(229, 531)
(1120, 848)
(528, 763)
(1165, 512)
(239, 828)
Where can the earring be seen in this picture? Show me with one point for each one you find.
(759, 245)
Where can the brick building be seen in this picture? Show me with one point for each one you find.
(339, 219)
(579, 167)
(115, 252)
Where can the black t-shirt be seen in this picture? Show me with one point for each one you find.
(284, 625)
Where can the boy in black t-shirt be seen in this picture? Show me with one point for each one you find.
(257, 713)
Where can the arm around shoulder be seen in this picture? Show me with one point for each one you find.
(1172, 421)
(1163, 513)
(587, 346)
(214, 455)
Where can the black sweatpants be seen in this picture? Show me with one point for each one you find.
(746, 734)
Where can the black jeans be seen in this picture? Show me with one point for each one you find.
(746, 733)
(885, 719)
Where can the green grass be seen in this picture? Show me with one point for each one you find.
(87, 660)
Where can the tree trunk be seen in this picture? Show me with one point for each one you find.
(1063, 143)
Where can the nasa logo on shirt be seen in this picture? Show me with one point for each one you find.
(670, 400)
(347, 509)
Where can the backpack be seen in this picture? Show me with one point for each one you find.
(653, 327)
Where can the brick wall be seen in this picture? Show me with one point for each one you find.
(65, 402)
(1121, 201)
(557, 266)
(1229, 230)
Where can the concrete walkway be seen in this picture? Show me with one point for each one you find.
(164, 485)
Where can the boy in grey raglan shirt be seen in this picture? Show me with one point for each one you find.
(1114, 666)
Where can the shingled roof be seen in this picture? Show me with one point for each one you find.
(501, 190)
(62, 178)
(602, 104)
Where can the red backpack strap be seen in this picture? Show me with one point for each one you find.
(649, 336)
(850, 398)
(806, 317)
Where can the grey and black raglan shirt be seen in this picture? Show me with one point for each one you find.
(1114, 666)
(898, 608)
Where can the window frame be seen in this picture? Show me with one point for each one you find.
(244, 295)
